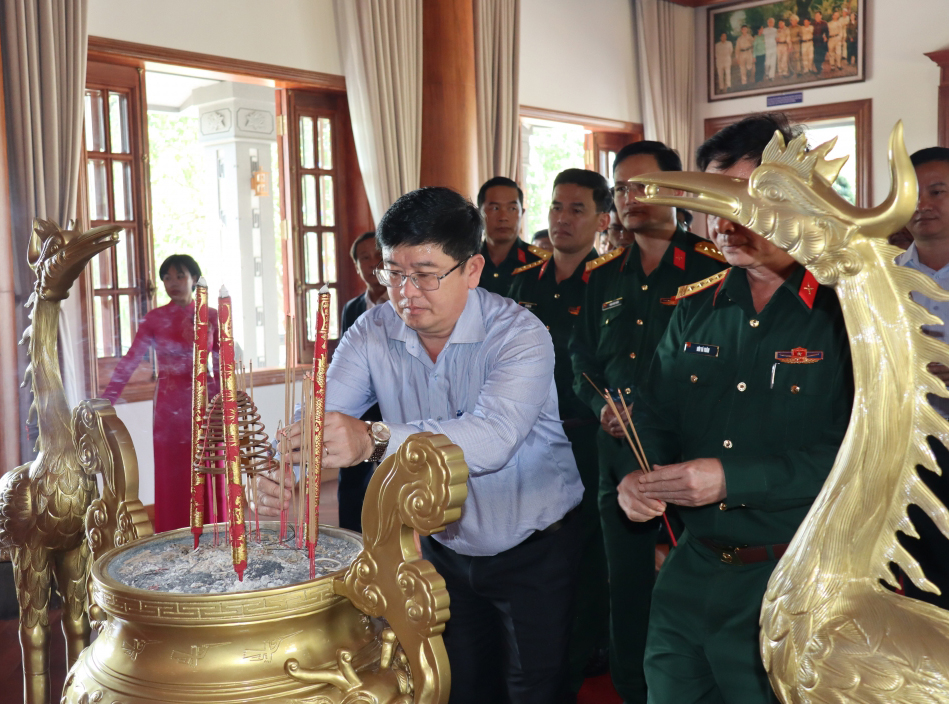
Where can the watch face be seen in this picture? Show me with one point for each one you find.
(380, 432)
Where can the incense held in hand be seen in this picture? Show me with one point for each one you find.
(199, 405)
(235, 506)
(319, 409)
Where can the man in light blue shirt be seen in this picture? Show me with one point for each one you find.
(448, 357)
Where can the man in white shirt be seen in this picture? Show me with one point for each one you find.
(770, 49)
(723, 63)
(929, 254)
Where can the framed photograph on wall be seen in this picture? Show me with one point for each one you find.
(773, 47)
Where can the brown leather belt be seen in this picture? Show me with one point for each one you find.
(746, 555)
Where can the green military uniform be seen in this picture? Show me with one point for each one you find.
(558, 306)
(497, 279)
(769, 394)
(621, 321)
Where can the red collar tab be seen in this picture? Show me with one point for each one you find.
(678, 258)
(543, 268)
(629, 248)
(808, 289)
(521, 257)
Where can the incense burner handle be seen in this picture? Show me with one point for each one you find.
(419, 488)
(104, 447)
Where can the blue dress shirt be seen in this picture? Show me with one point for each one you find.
(491, 391)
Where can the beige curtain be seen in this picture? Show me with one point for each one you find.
(497, 38)
(381, 51)
(44, 74)
(665, 42)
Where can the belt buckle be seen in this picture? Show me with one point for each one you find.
(729, 555)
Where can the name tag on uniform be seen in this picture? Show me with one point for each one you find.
(706, 350)
(527, 304)
(615, 303)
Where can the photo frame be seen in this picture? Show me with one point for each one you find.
(762, 47)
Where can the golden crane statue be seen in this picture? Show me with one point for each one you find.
(830, 631)
(43, 503)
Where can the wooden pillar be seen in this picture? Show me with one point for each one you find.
(942, 58)
(449, 118)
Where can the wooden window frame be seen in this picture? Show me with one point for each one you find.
(860, 110)
(122, 76)
(605, 134)
(356, 211)
(941, 58)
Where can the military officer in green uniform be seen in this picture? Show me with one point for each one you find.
(502, 204)
(553, 290)
(629, 300)
(741, 415)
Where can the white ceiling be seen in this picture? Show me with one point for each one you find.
(170, 92)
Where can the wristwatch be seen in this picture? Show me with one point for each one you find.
(379, 434)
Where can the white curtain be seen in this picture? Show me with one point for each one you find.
(665, 42)
(381, 51)
(497, 38)
(44, 72)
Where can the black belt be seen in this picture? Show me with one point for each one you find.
(747, 554)
(572, 423)
(553, 527)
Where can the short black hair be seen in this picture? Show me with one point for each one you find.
(742, 140)
(666, 158)
(930, 154)
(499, 181)
(358, 241)
(181, 262)
(588, 179)
(540, 234)
(438, 216)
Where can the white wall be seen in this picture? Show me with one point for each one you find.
(579, 57)
(293, 33)
(901, 81)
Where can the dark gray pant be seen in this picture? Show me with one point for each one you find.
(510, 618)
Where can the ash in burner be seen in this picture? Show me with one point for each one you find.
(172, 565)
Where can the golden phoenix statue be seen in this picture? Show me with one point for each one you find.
(43, 503)
(830, 632)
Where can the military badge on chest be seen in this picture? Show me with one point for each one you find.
(799, 355)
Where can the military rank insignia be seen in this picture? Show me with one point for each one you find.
(615, 303)
(799, 355)
(705, 350)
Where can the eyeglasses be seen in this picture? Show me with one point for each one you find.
(423, 282)
(627, 188)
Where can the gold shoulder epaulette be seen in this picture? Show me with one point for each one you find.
(600, 261)
(689, 289)
(538, 252)
(710, 250)
(519, 269)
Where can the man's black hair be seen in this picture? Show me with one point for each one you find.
(499, 181)
(930, 154)
(540, 234)
(742, 140)
(666, 158)
(181, 262)
(358, 241)
(438, 216)
(588, 179)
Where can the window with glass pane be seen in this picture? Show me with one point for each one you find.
(114, 176)
(316, 213)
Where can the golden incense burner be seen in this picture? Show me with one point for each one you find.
(369, 633)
